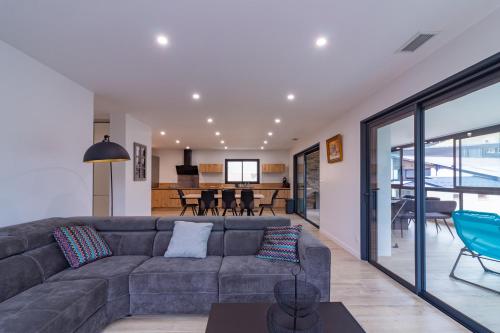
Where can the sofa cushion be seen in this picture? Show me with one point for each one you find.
(215, 246)
(168, 222)
(130, 243)
(17, 273)
(189, 240)
(249, 279)
(115, 270)
(36, 233)
(81, 244)
(170, 275)
(116, 223)
(242, 242)
(52, 307)
(255, 222)
(280, 243)
(10, 245)
(50, 259)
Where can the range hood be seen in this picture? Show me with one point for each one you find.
(187, 168)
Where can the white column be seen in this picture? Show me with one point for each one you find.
(384, 244)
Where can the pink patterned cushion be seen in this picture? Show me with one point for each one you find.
(81, 244)
(280, 243)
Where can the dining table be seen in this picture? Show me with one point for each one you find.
(219, 196)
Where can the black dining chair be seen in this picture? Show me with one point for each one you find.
(263, 206)
(216, 201)
(247, 202)
(229, 201)
(185, 205)
(206, 202)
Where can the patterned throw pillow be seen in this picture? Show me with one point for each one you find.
(280, 243)
(81, 244)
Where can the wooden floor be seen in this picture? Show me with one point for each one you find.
(441, 253)
(376, 301)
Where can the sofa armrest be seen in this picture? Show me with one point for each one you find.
(315, 260)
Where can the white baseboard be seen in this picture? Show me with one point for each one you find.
(341, 243)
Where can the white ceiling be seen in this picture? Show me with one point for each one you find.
(476, 110)
(243, 57)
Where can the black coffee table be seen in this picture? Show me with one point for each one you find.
(251, 318)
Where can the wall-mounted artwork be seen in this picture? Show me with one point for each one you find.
(334, 149)
(140, 152)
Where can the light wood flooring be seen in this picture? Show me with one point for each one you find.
(375, 300)
(441, 253)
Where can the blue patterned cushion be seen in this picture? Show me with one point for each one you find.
(81, 245)
(280, 243)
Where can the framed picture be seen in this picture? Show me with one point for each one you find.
(334, 149)
(140, 152)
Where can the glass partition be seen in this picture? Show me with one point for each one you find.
(464, 163)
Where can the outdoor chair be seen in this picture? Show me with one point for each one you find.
(440, 210)
(480, 232)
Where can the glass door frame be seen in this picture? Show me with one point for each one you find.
(371, 193)
(460, 84)
(304, 152)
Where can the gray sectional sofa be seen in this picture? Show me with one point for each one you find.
(40, 293)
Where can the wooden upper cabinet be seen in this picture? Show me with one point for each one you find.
(273, 168)
(211, 168)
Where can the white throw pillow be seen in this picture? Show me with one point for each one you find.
(189, 240)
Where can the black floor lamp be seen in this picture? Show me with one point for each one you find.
(106, 152)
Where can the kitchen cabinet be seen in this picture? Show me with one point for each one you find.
(273, 168)
(210, 168)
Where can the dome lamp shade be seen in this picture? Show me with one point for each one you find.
(106, 152)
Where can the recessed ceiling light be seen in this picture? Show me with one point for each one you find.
(290, 97)
(162, 40)
(222, 141)
(262, 147)
(196, 96)
(469, 134)
(277, 120)
(225, 147)
(217, 133)
(162, 133)
(321, 42)
(265, 142)
(210, 120)
(270, 133)
(187, 147)
(177, 141)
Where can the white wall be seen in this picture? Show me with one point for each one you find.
(131, 198)
(340, 182)
(45, 128)
(169, 158)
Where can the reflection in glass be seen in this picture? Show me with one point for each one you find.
(392, 177)
(462, 153)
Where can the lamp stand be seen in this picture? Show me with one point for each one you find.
(111, 180)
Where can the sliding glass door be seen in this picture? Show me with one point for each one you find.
(392, 224)
(307, 189)
(431, 189)
(462, 156)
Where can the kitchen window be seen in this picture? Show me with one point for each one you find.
(242, 171)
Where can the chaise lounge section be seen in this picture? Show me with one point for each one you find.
(39, 292)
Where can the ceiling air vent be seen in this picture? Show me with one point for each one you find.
(413, 44)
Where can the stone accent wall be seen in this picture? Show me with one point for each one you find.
(312, 175)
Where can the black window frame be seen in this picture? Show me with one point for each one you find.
(241, 160)
(471, 79)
